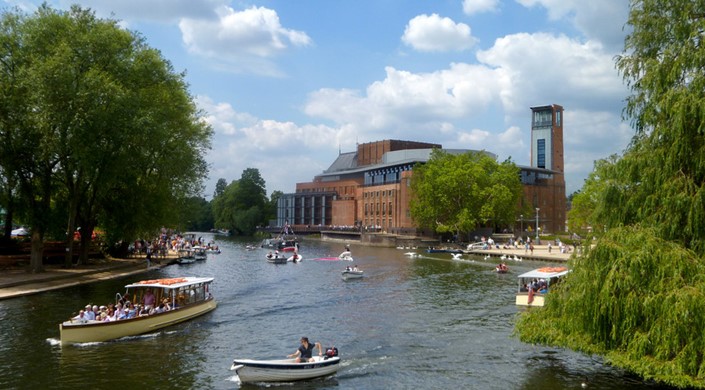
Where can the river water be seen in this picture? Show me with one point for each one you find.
(427, 322)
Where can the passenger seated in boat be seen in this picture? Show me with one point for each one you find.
(81, 317)
(305, 351)
(270, 255)
(355, 268)
(348, 268)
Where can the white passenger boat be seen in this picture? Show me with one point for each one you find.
(284, 370)
(188, 297)
(352, 274)
(535, 285)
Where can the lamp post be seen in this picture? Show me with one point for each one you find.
(537, 225)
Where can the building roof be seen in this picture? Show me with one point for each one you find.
(344, 162)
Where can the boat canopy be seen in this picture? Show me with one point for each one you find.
(171, 283)
(545, 273)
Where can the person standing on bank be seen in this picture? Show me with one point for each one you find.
(305, 351)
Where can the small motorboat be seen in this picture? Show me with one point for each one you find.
(284, 370)
(348, 274)
(275, 258)
(501, 269)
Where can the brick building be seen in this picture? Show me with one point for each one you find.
(370, 187)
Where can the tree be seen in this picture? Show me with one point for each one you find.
(243, 204)
(103, 125)
(458, 193)
(219, 188)
(639, 291)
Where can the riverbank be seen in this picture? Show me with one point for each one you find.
(17, 282)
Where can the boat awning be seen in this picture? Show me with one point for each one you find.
(171, 283)
(545, 273)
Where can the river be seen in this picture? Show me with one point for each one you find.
(427, 322)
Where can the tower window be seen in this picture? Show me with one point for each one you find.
(541, 153)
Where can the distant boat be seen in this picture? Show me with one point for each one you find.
(352, 274)
(527, 296)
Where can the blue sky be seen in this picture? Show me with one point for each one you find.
(288, 84)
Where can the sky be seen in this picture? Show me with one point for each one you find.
(288, 85)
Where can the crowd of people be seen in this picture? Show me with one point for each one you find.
(124, 309)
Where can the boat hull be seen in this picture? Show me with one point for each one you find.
(277, 260)
(283, 370)
(347, 275)
(74, 332)
(522, 299)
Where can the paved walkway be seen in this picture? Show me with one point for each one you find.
(540, 253)
(18, 282)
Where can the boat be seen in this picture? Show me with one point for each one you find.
(284, 370)
(535, 285)
(282, 244)
(275, 258)
(352, 274)
(188, 297)
(185, 256)
(501, 268)
(199, 253)
(213, 251)
(346, 256)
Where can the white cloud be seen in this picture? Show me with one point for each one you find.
(546, 69)
(243, 141)
(471, 7)
(241, 40)
(603, 20)
(432, 33)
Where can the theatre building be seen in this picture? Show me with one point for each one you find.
(369, 188)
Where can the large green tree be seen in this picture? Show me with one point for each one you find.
(457, 193)
(637, 296)
(103, 126)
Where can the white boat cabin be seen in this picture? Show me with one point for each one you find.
(535, 285)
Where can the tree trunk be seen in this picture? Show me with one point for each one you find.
(36, 259)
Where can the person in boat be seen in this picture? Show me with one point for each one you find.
(149, 299)
(348, 268)
(305, 351)
(355, 268)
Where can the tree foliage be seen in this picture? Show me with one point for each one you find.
(457, 193)
(243, 204)
(638, 297)
(97, 122)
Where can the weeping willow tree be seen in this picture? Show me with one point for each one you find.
(638, 296)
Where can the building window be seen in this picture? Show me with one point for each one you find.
(541, 153)
(390, 209)
(558, 118)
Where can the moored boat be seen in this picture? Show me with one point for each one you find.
(284, 370)
(535, 285)
(199, 253)
(186, 297)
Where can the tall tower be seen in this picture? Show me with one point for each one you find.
(548, 194)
